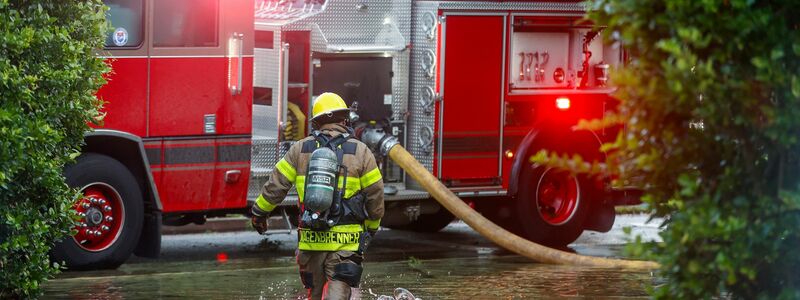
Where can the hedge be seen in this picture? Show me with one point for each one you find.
(49, 74)
(711, 103)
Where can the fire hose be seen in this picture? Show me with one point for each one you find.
(389, 146)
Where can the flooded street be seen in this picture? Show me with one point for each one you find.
(453, 264)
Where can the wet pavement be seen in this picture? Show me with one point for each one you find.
(455, 263)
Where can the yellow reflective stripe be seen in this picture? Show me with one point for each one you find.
(371, 177)
(353, 186)
(372, 224)
(300, 185)
(341, 237)
(264, 205)
(287, 170)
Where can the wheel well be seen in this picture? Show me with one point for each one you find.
(129, 150)
(538, 138)
(131, 154)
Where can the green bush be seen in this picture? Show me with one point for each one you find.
(711, 101)
(48, 78)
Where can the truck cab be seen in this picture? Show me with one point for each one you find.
(175, 140)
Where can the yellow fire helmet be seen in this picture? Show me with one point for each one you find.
(327, 104)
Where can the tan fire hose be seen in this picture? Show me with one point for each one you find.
(495, 233)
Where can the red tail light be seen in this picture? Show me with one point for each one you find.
(562, 103)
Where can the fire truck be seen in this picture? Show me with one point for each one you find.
(207, 95)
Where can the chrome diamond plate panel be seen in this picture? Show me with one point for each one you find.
(400, 85)
(419, 81)
(263, 160)
(357, 23)
(364, 23)
(266, 61)
(265, 154)
(265, 121)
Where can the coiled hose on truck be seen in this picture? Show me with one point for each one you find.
(495, 233)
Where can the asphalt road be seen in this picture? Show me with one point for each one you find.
(451, 264)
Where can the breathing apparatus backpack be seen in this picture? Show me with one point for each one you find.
(324, 205)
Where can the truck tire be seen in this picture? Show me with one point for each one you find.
(501, 214)
(552, 205)
(429, 222)
(111, 214)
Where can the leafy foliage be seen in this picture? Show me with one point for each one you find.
(48, 77)
(711, 103)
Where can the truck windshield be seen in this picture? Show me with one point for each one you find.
(126, 21)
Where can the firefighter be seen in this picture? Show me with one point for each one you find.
(331, 243)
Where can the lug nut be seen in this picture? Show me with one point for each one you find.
(98, 233)
(85, 205)
(104, 228)
(81, 214)
(89, 232)
(102, 201)
(93, 200)
(84, 225)
(107, 208)
(109, 219)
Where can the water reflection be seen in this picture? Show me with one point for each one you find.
(507, 277)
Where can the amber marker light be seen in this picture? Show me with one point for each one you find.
(509, 154)
(562, 103)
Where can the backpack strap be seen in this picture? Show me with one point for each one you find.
(340, 144)
(335, 144)
(318, 141)
(309, 146)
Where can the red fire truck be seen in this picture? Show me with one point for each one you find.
(207, 95)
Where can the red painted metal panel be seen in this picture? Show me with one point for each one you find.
(155, 157)
(232, 155)
(185, 84)
(188, 170)
(235, 114)
(230, 195)
(183, 90)
(473, 66)
(191, 173)
(125, 95)
(186, 188)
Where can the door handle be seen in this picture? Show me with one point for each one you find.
(235, 57)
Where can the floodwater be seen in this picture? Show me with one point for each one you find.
(509, 277)
(472, 269)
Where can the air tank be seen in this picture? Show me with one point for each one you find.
(320, 180)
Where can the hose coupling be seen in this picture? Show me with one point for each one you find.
(379, 141)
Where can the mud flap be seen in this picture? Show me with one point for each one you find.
(150, 241)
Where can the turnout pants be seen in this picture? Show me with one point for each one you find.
(329, 275)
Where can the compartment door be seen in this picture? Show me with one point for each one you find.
(469, 123)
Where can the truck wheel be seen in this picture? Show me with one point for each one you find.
(552, 205)
(502, 215)
(111, 214)
(429, 222)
